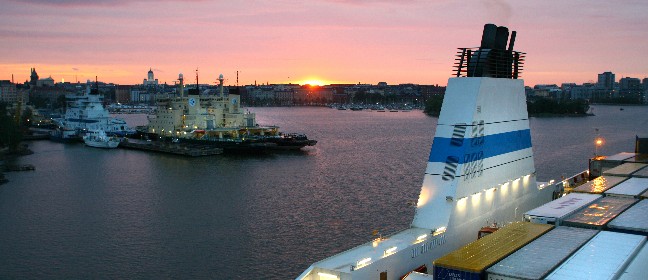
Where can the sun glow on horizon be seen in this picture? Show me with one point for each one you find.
(314, 82)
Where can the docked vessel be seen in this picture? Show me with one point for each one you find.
(216, 119)
(63, 135)
(86, 112)
(480, 169)
(99, 139)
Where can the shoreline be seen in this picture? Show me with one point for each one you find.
(6, 155)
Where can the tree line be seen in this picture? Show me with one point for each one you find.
(538, 106)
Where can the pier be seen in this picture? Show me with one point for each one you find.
(184, 149)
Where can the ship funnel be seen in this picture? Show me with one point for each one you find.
(488, 36)
(501, 37)
(492, 59)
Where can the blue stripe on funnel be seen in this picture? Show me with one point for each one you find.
(490, 146)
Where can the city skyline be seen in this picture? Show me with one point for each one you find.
(326, 41)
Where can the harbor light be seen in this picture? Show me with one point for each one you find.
(598, 142)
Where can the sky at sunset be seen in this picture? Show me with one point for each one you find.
(332, 41)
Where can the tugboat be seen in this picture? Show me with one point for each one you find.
(99, 139)
(216, 119)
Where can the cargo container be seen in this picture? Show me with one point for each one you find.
(600, 164)
(599, 213)
(470, 262)
(555, 211)
(641, 173)
(632, 187)
(637, 269)
(625, 169)
(637, 158)
(605, 256)
(644, 195)
(599, 185)
(634, 220)
(538, 258)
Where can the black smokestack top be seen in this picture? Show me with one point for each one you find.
(492, 59)
(501, 38)
(488, 37)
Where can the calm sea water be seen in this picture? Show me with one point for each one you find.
(92, 213)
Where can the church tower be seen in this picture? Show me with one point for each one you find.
(33, 77)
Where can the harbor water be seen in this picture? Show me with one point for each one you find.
(94, 213)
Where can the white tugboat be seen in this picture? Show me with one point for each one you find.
(99, 139)
(480, 169)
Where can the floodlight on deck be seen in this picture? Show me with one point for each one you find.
(390, 251)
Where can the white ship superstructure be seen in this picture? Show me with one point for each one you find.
(86, 112)
(480, 169)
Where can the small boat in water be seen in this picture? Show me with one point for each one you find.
(99, 139)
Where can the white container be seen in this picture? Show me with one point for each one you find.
(538, 258)
(632, 187)
(604, 257)
(625, 170)
(555, 211)
(637, 269)
(634, 220)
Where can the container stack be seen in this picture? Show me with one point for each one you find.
(598, 214)
(625, 169)
(555, 211)
(471, 261)
(632, 187)
(599, 185)
(604, 257)
(540, 257)
(634, 220)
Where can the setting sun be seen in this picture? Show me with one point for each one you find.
(313, 82)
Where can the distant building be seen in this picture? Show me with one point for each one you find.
(46, 82)
(631, 87)
(47, 97)
(606, 80)
(151, 80)
(123, 94)
(8, 92)
(33, 78)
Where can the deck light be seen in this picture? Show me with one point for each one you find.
(327, 276)
(390, 251)
(363, 262)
